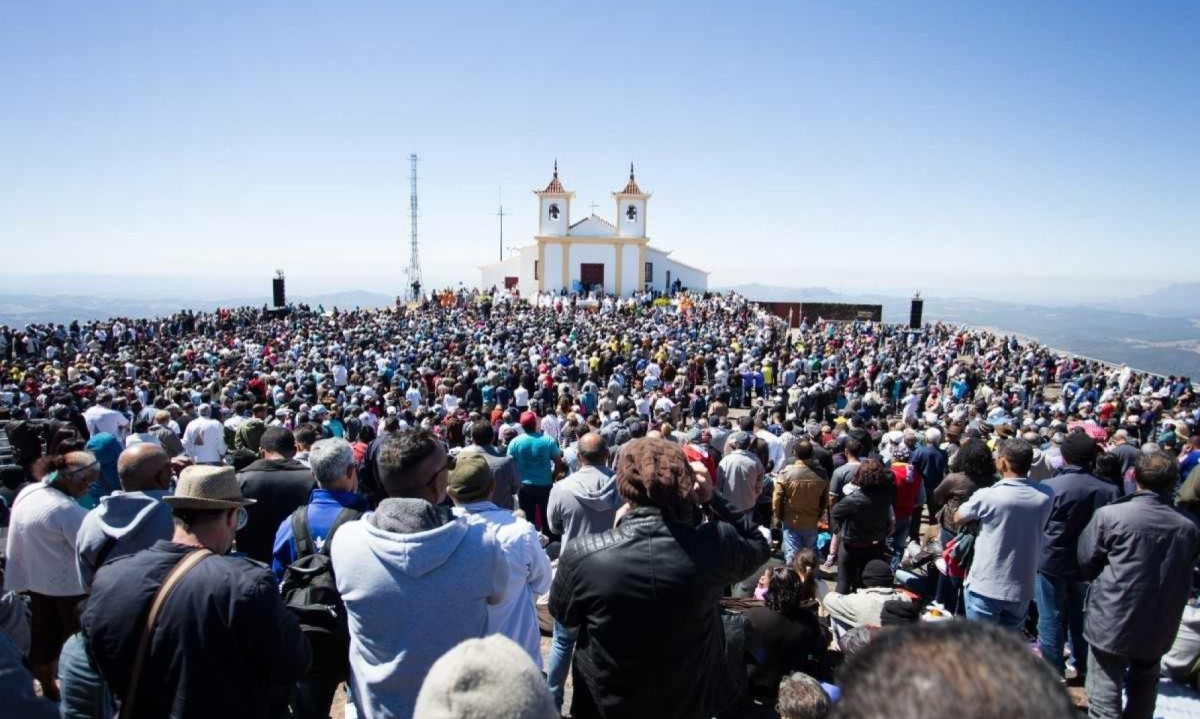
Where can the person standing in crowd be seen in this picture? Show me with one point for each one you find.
(907, 500)
(537, 457)
(741, 473)
(334, 502)
(1012, 515)
(798, 501)
(444, 572)
(470, 487)
(40, 548)
(223, 645)
(930, 462)
(278, 484)
(1060, 590)
(504, 468)
(974, 469)
(126, 522)
(643, 596)
(204, 438)
(582, 504)
(864, 519)
(101, 418)
(1139, 552)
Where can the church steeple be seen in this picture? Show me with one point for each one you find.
(554, 206)
(631, 188)
(631, 208)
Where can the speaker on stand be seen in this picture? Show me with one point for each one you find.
(278, 292)
(914, 317)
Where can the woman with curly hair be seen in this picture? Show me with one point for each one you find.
(974, 468)
(645, 595)
(864, 520)
(784, 635)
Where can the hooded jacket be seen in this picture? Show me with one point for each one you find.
(584, 503)
(411, 596)
(106, 449)
(124, 523)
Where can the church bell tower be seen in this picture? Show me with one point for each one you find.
(554, 208)
(631, 209)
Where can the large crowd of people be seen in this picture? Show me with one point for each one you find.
(248, 513)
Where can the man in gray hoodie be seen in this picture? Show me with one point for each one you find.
(583, 503)
(126, 522)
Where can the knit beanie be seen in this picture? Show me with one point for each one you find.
(877, 573)
(489, 678)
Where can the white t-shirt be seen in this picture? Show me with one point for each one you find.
(521, 397)
(41, 543)
(102, 419)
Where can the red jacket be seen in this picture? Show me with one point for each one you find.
(908, 488)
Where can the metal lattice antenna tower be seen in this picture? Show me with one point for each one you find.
(414, 258)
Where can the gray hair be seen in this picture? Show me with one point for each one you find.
(330, 459)
(933, 436)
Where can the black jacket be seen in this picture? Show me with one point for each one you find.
(279, 486)
(224, 644)
(863, 517)
(645, 598)
(1139, 551)
(1077, 496)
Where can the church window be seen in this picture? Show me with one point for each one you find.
(649, 272)
(535, 270)
(554, 210)
(631, 214)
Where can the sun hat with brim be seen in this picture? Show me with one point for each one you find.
(202, 487)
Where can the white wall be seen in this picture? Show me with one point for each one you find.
(527, 285)
(493, 275)
(631, 270)
(588, 253)
(625, 228)
(547, 226)
(552, 270)
(690, 278)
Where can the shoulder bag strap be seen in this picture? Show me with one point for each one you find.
(343, 516)
(160, 598)
(304, 542)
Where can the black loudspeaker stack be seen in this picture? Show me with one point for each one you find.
(277, 292)
(914, 318)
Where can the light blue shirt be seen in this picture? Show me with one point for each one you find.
(1012, 516)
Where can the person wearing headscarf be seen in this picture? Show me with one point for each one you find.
(106, 448)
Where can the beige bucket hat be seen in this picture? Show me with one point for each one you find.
(204, 487)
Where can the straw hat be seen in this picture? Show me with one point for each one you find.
(204, 487)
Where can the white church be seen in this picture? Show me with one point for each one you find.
(592, 254)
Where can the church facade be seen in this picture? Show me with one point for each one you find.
(592, 254)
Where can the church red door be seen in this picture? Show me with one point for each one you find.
(591, 275)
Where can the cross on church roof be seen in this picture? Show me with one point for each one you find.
(632, 187)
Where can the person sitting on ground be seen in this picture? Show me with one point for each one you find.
(490, 677)
(784, 635)
(865, 606)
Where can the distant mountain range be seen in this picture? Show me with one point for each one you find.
(1158, 332)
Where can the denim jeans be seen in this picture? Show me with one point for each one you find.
(1108, 674)
(1060, 604)
(1010, 615)
(796, 539)
(899, 540)
(84, 694)
(562, 646)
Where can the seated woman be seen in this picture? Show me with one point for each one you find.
(785, 636)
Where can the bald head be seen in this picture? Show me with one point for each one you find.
(144, 467)
(592, 450)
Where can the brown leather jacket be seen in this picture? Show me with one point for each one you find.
(799, 497)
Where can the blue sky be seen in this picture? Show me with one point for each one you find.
(1005, 149)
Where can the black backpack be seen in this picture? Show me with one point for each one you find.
(310, 592)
